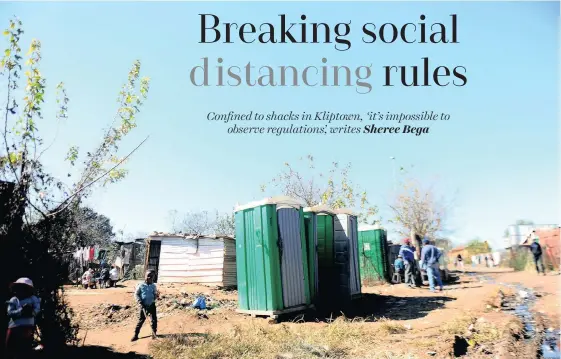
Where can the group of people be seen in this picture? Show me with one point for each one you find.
(429, 263)
(104, 278)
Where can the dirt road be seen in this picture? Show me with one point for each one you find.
(107, 316)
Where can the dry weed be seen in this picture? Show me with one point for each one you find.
(388, 327)
(340, 339)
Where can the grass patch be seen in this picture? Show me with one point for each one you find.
(389, 327)
(340, 339)
(458, 326)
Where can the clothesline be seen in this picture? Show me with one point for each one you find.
(86, 255)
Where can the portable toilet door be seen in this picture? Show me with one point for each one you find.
(346, 254)
(310, 227)
(271, 257)
(371, 255)
(319, 233)
(353, 241)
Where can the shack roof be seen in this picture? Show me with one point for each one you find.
(457, 249)
(160, 235)
(280, 201)
(546, 236)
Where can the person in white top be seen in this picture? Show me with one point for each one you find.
(113, 276)
(88, 279)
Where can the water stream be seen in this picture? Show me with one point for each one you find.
(521, 308)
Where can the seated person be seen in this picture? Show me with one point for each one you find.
(399, 265)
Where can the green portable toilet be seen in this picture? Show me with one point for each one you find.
(271, 257)
(373, 256)
(346, 254)
(318, 222)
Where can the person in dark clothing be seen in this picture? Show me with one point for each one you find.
(407, 252)
(104, 280)
(460, 262)
(145, 295)
(536, 250)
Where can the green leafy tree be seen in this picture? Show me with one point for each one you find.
(478, 246)
(43, 207)
(92, 228)
(333, 188)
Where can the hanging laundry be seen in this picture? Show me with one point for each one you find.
(96, 252)
(91, 256)
(85, 254)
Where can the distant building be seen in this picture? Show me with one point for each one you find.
(453, 253)
(517, 233)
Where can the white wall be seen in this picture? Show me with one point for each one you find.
(183, 261)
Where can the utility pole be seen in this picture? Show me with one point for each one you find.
(393, 169)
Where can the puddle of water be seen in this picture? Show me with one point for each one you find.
(525, 299)
(550, 345)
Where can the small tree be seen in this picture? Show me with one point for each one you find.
(195, 223)
(418, 212)
(201, 223)
(225, 224)
(333, 188)
(42, 207)
(91, 228)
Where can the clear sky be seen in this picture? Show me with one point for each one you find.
(497, 157)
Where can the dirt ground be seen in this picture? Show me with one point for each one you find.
(107, 316)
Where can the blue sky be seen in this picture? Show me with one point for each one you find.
(497, 157)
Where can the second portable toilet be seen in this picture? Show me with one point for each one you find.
(271, 257)
(319, 238)
(346, 254)
(373, 254)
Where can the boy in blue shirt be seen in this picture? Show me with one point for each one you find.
(145, 295)
(399, 265)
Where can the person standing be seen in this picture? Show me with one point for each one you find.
(113, 276)
(429, 261)
(407, 253)
(22, 310)
(536, 250)
(460, 262)
(145, 295)
(104, 278)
